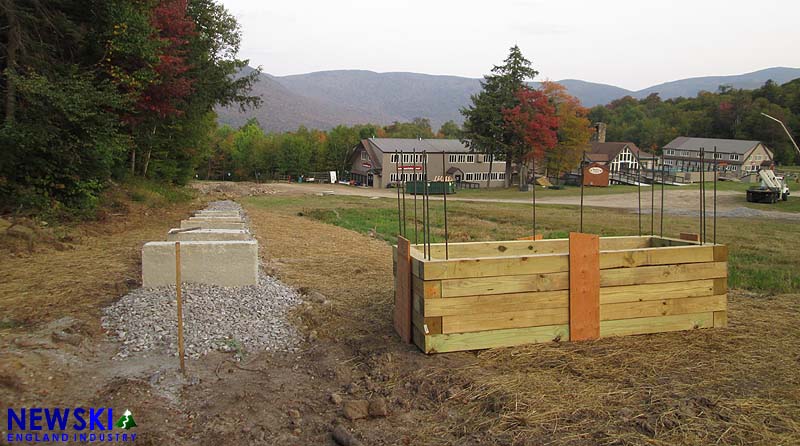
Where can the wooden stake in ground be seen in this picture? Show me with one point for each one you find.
(180, 304)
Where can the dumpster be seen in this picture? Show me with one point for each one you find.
(434, 187)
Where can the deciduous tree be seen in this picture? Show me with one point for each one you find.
(533, 125)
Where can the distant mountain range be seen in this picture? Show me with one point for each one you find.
(325, 99)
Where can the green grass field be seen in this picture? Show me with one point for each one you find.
(763, 255)
(569, 191)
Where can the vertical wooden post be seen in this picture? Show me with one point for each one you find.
(402, 298)
(584, 286)
(180, 304)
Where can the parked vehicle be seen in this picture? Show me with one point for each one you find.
(771, 189)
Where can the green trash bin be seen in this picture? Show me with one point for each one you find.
(434, 187)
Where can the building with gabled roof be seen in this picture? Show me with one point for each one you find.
(380, 162)
(736, 156)
(620, 156)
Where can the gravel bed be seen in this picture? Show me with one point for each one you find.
(241, 319)
(229, 319)
(225, 205)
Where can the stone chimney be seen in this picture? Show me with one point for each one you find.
(599, 132)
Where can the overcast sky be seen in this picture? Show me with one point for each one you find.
(629, 43)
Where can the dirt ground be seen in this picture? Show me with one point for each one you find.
(679, 201)
(727, 386)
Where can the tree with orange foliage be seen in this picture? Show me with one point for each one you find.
(574, 129)
(534, 125)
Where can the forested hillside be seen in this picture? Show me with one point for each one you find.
(727, 113)
(99, 89)
(326, 99)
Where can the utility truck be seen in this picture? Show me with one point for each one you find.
(772, 188)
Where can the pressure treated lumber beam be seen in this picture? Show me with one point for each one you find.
(658, 291)
(496, 303)
(584, 286)
(402, 300)
(466, 323)
(496, 338)
(664, 307)
(646, 325)
(663, 273)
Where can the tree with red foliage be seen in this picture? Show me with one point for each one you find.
(534, 124)
(163, 98)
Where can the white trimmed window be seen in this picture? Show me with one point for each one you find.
(364, 155)
(758, 157)
(734, 157)
(669, 152)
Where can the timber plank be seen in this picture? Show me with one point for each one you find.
(720, 253)
(584, 286)
(664, 307)
(504, 284)
(495, 266)
(720, 319)
(418, 338)
(663, 273)
(527, 247)
(428, 289)
(495, 338)
(646, 325)
(433, 325)
(656, 256)
(721, 285)
(658, 291)
(402, 300)
(466, 323)
(496, 303)
(690, 236)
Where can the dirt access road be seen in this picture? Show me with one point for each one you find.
(677, 201)
(729, 386)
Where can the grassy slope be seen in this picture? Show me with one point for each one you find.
(762, 257)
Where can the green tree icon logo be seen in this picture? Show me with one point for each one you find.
(126, 420)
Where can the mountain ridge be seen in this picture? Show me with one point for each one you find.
(324, 99)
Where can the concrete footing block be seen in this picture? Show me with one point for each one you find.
(212, 224)
(229, 215)
(218, 213)
(224, 263)
(179, 235)
(239, 219)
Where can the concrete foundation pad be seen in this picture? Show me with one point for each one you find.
(212, 224)
(218, 214)
(207, 235)
(224, 263)
(203, 217)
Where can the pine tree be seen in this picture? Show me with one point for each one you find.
(485, 129)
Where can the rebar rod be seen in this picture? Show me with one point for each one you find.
(653, 196)
(715, 195)
(446, 190)
(427, 203)
(533, 194)
(397, 178)
(702, 197)
(583, 159)
(424, 220)
(416, 184)
(639, 189)
(662, 197)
